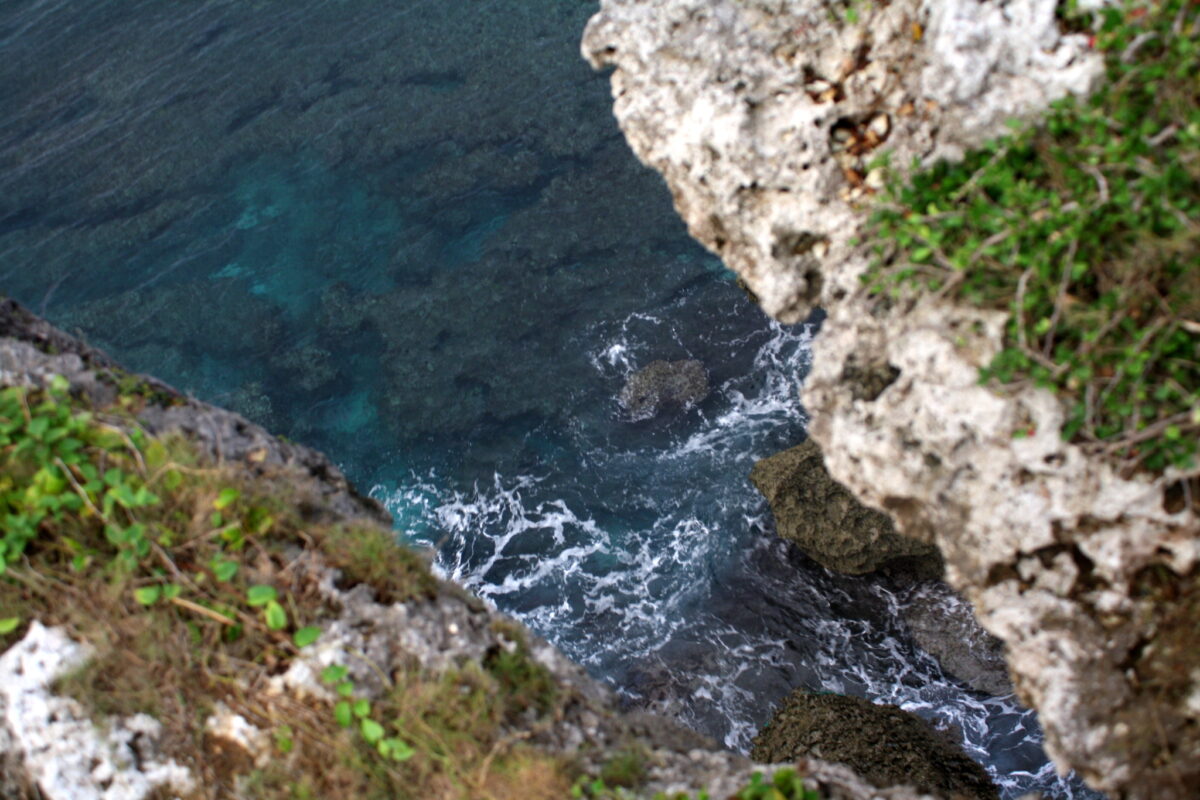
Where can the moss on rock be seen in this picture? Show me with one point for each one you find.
(885, 744)
(829, 524)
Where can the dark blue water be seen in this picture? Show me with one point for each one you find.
(411, 235)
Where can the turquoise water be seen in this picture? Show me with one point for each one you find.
(411, 235)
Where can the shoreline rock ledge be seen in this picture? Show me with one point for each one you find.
(830, 525)
(663, 385)
(886, 744)
(53, 746)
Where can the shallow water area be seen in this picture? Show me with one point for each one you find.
(411, 235)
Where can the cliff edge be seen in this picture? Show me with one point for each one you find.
(765, 119)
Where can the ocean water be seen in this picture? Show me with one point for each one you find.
(411, 235)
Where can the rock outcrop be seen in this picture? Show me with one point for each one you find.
(662, 385)
(886, 744)
(829, 524)
(762, 117)
(943, 625)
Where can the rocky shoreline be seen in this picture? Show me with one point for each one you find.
(445, 630)
(762, 118)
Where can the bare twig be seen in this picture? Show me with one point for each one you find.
(78, 489)
(1060, 298)
(1163, 135)
(202, 610)
(995, 238)
(1131, 49)
(1151, 431)
(1022, 282)
(166, 560)
(970, 184)
(1101, 182)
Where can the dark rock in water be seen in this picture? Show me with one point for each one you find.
(664, 384)
(829, 524)
(943, 625)
(885, 744)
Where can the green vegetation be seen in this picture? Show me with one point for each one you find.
(190, 581)
(785, 784)
(627, 767)
(1086, 229)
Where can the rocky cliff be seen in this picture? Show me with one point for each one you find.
(763, 116)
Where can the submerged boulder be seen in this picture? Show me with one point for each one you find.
(885, 744)
(661, 385)
(943, 624)
(829, 524)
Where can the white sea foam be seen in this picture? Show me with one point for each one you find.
(645, 595)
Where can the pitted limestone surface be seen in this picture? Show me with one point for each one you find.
(764, 116)
(58, 747)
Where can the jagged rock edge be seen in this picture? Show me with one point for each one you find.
(1044, 542)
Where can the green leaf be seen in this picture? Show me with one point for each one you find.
(362, 707)
(275, 615)
(224, 571)
(306, 635)
(172, 478)
(372, 731)
(260, 595)
(334, 673)
(345, 688)
(396, 749)
(225, 498)
(343, 714)
(172, 590)
(233, 537)
(9, 624)
(147, 595)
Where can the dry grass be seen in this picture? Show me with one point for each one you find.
(200, 643)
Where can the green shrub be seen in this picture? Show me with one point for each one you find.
(1086, 229)
(786, 784)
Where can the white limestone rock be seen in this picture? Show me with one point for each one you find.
(746, 108)
(59, 749)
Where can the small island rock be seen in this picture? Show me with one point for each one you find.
(886, 745)
(664, 384)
